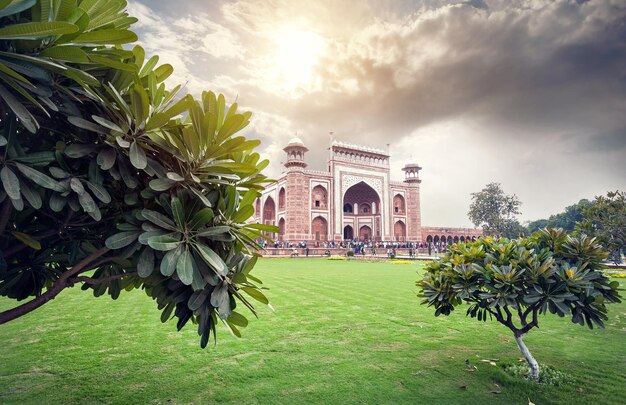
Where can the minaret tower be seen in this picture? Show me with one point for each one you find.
(297, 221)
(413, 209)
(295, 150)
(411, 173)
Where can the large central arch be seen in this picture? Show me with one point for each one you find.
(362, 193)
(361, 200)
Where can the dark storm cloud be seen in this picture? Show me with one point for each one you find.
(557, 66)
(477, 4)
(607, 141)
(181, 8)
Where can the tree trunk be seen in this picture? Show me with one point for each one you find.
(533, 366)
(617, 255)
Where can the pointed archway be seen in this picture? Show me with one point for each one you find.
(365, 233)
(398, 204)
(399, 230)
(269, 211)
(281, 199)
(319, 228)
(348, 233)
(363, 201)
(281, 228)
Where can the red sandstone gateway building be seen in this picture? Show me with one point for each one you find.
(355, 199)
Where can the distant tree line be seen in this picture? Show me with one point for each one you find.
(603, 218)
(566, 220)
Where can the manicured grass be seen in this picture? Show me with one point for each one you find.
(343, 332)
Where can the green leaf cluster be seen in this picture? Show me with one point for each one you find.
(97, 152)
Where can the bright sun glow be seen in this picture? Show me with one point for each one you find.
(297, 52)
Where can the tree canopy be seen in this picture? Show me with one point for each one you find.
(495, 211)
(111, 179)
(565, 220)
(605, 218)
(514, 281)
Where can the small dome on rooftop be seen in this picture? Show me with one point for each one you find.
(295, 141)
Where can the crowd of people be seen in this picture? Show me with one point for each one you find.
(373, 248)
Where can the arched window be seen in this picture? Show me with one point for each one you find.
(399, 230)
(365, 233)
(348, 233)
(365, 208)
(347, 208)
(281, 228)
(281, 199)
(319, 197)
(398, 204)
(319, 228)
(269, 211)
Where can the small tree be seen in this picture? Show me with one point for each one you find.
(605, 218)
(105, 170)
(514, 281)
(495, 211)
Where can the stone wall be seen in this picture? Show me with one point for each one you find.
(446, 233)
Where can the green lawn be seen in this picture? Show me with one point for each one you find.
(343, 332)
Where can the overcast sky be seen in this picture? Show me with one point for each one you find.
(532, 96)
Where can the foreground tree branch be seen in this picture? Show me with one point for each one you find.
(59, 285)
(98, 281)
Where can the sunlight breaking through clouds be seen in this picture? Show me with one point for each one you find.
(535, 89)
(297, 53)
